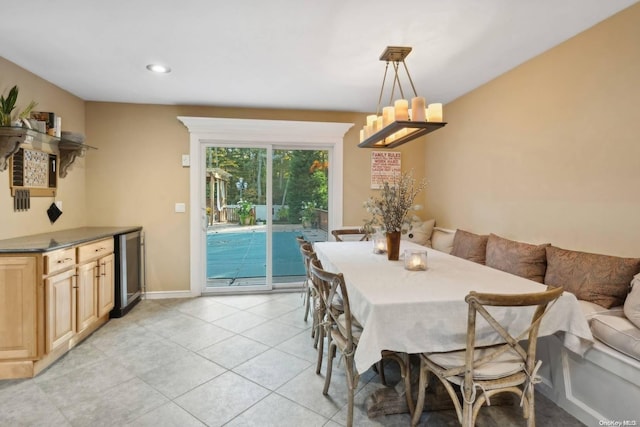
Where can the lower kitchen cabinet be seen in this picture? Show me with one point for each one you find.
(50, 302)
(18, 307)
(60, 309)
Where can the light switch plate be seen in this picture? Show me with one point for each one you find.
(186, 161)
(181, 207)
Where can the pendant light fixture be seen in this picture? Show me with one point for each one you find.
(397, 124)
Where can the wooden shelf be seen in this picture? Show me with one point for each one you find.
(12, 137)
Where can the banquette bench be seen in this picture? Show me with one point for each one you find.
(602, 386)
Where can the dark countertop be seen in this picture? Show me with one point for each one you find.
(46, 242)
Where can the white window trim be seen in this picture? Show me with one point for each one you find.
(207, 130)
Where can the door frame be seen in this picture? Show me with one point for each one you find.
(277, 133)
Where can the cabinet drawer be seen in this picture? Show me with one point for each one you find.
(59, 260)
(95, 250)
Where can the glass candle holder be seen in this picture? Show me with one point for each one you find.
(379, 244)
(415, 260)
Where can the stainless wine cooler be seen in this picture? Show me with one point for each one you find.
(129, 271)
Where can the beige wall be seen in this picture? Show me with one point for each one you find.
(71, 190)
(550, 151)
(136, 177)
(546, 152)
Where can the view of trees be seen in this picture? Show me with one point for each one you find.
(299, 176)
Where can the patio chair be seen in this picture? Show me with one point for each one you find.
(343, 332)
(481, 372)
(354, 233)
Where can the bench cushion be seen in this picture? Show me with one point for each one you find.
(420, 232)
(601, 279)
(618, 333)
(522, 259)
(442, 239)
(632, 303)
(470, 246)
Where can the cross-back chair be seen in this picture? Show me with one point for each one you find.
(481, 372)
(343, 333)
(319, 308)
(307, 281)
(354, 233)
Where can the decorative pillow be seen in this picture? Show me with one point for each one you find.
(470, 246)
(632, 303)
(442, 239)
(522, 259)
(601, 279)
(420, 232)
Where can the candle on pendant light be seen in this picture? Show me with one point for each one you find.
(418, 109)
(434, 112)
(361, 134)
(379, 123)
(402, 110)
(388, 116)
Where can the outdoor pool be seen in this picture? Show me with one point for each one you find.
(236, 255)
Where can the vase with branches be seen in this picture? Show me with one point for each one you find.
(390, 209)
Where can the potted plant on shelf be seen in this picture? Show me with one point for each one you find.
(308, 214)
(245, 212)
(389, 210)
(8, 104)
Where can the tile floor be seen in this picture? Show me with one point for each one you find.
(224, 360)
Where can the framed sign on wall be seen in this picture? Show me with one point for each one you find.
(385, 167)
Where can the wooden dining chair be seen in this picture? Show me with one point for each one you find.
(343, 333)
(307, 281)
(350, 234)
(481, 372)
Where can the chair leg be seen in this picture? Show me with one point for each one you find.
(331, 354)
(531, 420)
(352, 383)
(407, 381)
(380, 368)
(422, 386)
(320, 346)
(307, 297)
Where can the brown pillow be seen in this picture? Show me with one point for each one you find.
(469, 246)
(522, 259)
(601, 279)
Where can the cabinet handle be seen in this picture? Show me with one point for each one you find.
(62, 261)
(100, 249)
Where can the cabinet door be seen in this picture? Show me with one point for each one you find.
(105, 285)
(18, 302)
(60, 302)
(87, 295)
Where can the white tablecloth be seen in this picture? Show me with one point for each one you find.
(425, 311)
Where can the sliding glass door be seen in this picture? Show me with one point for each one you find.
(258, 199)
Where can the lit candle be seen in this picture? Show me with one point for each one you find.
(388, 116)
(371, 118)
(379, 244)
(417, 109)
(434, 112)
(402, 110)
(379, 123)
(361, 135)
(415, 260)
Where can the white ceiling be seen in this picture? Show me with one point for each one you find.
(299, 54)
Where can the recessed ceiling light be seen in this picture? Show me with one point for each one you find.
(157, 68)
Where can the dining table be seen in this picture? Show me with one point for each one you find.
(425, 311)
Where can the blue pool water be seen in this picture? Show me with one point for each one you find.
(243, 255)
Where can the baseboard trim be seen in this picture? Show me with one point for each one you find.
(168, 294)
